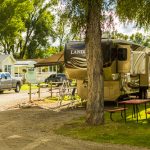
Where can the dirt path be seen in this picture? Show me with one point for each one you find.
(32, 129)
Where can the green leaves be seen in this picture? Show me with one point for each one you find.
(28, 25)
(137, 10)
(25, 25)
(13, 14)
(39, 29)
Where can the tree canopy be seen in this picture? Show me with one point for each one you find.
(39, 26)
(25, 26)
(13, 13)
(137, 11)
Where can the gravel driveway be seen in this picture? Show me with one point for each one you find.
(10, 98)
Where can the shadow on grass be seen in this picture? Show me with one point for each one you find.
(117, 132)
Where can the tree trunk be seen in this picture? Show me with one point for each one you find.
(95, 103)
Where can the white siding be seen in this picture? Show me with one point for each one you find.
(8, 61)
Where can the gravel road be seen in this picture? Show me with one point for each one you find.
(10, 98)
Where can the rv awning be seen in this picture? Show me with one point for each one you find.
(52, 60)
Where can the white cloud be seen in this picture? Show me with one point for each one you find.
(128, 28)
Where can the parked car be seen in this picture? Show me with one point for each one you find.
(7, 82)
(60, 77)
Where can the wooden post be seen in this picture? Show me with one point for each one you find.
(51, 89)
(29, 92)
(39, 91)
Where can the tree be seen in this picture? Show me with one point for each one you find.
(120, 36)
(40, 53)
(38, 28)
(147, 42)
(13, 12)
(62, 30)
(137, 11)
(86, 16)
(95, 104)
(25, 26)
(138, 38)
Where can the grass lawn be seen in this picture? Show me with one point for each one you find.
(56, 98)
(117, 132)
(51, 99)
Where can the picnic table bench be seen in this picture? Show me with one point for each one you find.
(114, 110)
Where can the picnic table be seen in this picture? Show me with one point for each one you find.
(135, 103)
(114, 110)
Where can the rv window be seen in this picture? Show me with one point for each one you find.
(113, 54)
(106, 50)
(122, 54)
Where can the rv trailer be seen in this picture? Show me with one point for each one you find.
(125, 68)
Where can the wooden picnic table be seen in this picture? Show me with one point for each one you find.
(135, 103)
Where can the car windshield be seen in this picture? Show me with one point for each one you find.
(52, 76)
(61, 75)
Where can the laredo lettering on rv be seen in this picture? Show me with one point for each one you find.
(77, 51)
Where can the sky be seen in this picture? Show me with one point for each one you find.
(128, 29)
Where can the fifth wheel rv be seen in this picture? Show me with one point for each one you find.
(125, 67)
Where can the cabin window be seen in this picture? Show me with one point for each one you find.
(30, 69)
(122, 54)
(8, 68)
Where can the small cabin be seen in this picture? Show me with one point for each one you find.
(7, 63)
